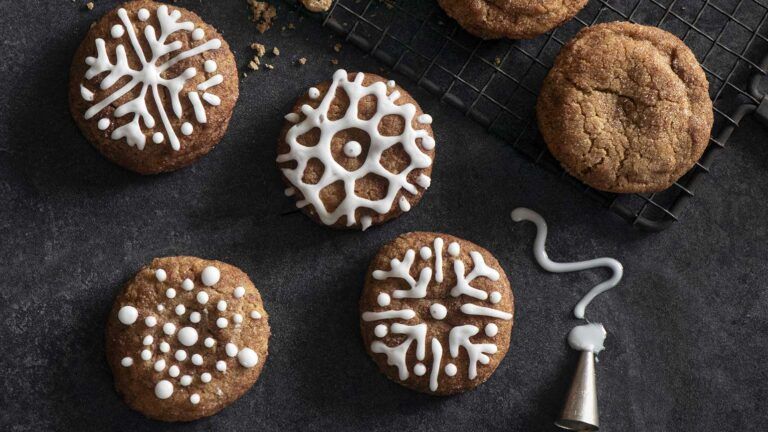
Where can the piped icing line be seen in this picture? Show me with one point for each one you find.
(333, 171)
(473, 309)
(539, 251)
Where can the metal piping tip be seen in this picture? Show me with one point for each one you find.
(580, 411)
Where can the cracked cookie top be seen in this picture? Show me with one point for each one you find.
(626, 108)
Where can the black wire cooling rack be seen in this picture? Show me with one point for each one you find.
(496, 83)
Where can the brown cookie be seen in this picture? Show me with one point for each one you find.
(513, 19)
(186, 337)
(152, 86)
(626, 108)
(356, 151)
(436, 313)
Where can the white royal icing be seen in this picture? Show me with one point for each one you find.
(151, 76)
(333, 171)
(459, 337)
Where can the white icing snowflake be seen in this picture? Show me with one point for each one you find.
(334, 171)
(459, 336)
(151, 77)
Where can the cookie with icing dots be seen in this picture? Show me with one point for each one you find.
(186, 337)
(153, 87)
(356, 151)
(436, 313)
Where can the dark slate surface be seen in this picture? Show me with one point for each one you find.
(687, 326)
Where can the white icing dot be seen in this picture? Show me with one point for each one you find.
(195, 399)
(188, 285)
(404, 204)
(221, 365)
(128, 315)
(231, 349)
(424, 119)
(438, 311)
(314, 93)
(205, 377)
(383, 299)
(170, 293)
(158, 137)
(202, 297)
(180, 355)
(210, 66)
(185, 380)
(428, 142)
(391, 83)
(425, 253)
(221, 306)
(237, 318)
(164, 347)
(381, 330)
(160, 365)
(255, 315)
(180, 309)
(117, 31)
(491, 330)
(353, 149)
(164, 389)
(495, 297)
(187, 129)
(161, 275)
(419, 369)
(187, 336)
(454, 249)
(239, 292)
(247, 357)
(126, 361)
(146, 355)
(195, 317)
(222, 323)
(209, 342)
(148, 339)
(289, 191)
(143, 14)
(292, 117)
(450, 369)
(150, 321)
(174, 371)
(169, 329)
(197, 360)
(198, 34)
(160, 308)
(210, 276)
(103, 124)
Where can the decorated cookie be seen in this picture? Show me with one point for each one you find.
(626, 108)
(514, 19)
(152, 86)
(186, 337)
(436, 313)
(356, 151)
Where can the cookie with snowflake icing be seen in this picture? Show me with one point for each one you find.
(152, 86)
(186, 337)
(436, 313)
(356, 151)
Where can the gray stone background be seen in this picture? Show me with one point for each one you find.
(686, 348)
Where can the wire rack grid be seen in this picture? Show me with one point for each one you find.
(496, 83)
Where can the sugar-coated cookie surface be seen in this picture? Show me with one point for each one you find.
(152, 86)
(626, 108)
(186, 337)
(436, 313)
(356, 151)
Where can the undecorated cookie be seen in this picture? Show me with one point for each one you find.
(626, 108)
(436, 313)
(153, 87)
(186, 337)
(356, 151)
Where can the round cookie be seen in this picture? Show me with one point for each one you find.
(436, 313)
(513, 19)
(152, 86)
(356, 151)
(186, 337)
(626, 108)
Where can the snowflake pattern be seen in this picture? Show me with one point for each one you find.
(151, 77)
(459, 336)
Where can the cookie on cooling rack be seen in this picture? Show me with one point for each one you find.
(152, 86)
(186, 337)
(436, 313)
(356, 151)
(626, 108)
(513, 19)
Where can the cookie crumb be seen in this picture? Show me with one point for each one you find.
(254, 64)
(276, 51)
(334, 62)
(303, 61)
(89, 5)
(262, 14)
(337, 47)
(268, 66)
(259, 48)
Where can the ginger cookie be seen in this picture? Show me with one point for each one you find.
(513, 19)
(153, 87)
(356, 151)
(626, 108)
(436, 313)
(186, 337)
